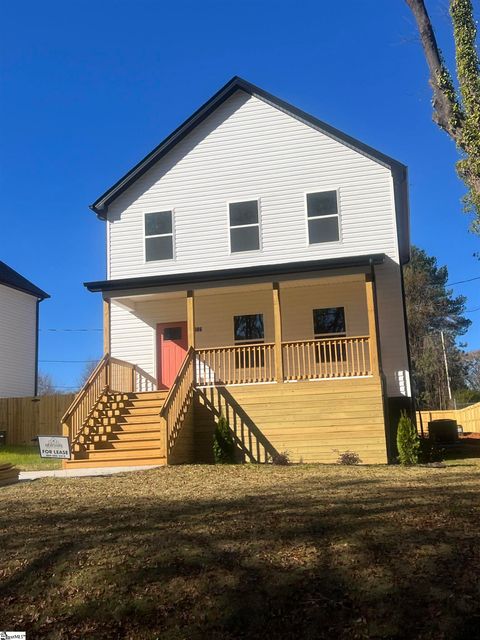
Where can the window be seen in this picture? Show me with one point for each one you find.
(249, 330)
(244, 226)
(158, 236)
(322, 213)
(329, 322)
(172, 333)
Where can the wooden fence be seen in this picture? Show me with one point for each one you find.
(25, 418)
(468, 418)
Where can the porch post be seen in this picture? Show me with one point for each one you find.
(106, 326)
(372, 324)
(191, 319)
(277, 321)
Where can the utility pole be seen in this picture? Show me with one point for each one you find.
(446, 367)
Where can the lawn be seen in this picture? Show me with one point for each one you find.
(27, 458)
(231, 552)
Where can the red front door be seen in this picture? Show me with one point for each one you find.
(172, 346)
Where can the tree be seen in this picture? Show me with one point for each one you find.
(45, 385)
(473, 370)
(457, 111)
(431, 310)
(87, 371)
(408, 442)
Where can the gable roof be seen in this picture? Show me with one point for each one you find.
(399, 170)
(14, 280)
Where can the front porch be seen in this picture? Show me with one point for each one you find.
(292, 365)
(264, 332)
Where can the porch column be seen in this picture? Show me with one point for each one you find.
(106, 326)
(190, 319)
(277, 322)
(372, 324)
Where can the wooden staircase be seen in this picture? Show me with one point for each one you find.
(124, 429)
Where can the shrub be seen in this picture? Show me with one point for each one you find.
(407, 440)
(282, 459)
(349, 457)
(223, 443)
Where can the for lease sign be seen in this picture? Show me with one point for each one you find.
(54, 447)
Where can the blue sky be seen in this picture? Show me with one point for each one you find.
(89, 87)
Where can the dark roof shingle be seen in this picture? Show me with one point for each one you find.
(13, 279)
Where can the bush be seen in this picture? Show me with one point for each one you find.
(223, 443)
(408, 442)
(282, 459)
(349, 457)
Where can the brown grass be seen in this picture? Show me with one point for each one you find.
(230, 552)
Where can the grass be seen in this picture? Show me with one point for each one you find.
(27, 458)
(232, 552)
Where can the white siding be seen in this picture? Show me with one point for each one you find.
(249, 149)
(17, 343)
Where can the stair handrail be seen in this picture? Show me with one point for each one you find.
(183, 385)
(83, 391)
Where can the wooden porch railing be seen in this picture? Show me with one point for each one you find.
(326, 358)
(240, 364)
(110, 374)
(178, 399)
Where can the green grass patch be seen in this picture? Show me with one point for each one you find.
(27, 458)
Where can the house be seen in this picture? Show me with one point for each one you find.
(19, 309)
(254, 270)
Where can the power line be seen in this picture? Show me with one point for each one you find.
(69, 330)
(463, 281)
(68, 361)
(472, 310)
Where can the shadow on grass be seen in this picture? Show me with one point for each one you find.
(315, 557)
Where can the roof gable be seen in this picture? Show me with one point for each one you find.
(14, 280)
(399, 171)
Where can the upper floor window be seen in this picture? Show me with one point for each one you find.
(323, 218)
(244, 226)
(158, 236)
(329, 322)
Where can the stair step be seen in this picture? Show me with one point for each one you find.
(130, 445)
(140, 418)
(152, 427)
(146, 395)
(133, 451)
(134, 410)
(128, 436)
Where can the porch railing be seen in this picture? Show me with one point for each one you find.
(239, 364)
(178, 400)
(326, 358)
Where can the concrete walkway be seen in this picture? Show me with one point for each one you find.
(79, 473)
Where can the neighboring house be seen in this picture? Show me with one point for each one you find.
(254, 270)
(19, 307)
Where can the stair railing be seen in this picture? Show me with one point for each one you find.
(179, 399)
(110, 375)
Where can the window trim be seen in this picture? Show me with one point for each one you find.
(243, 226)
(337, 215)
(159, 235)
(335, 334)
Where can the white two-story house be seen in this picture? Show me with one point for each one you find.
(254, 270)
(19, 321)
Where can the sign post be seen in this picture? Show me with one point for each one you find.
(54, 447)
